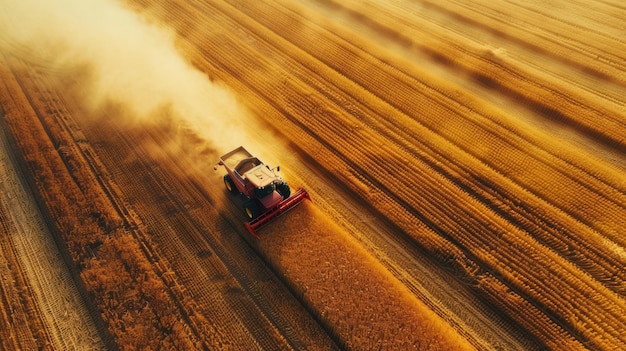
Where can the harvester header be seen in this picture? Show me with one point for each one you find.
(265, 195)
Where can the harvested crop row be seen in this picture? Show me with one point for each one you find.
(217, 325)
(221, 316)
(136, 295)
(37, 261)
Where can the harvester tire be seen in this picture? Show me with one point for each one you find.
(251, 209)
(230, 186)
(283, 190)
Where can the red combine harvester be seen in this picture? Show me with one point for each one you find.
(265, 195)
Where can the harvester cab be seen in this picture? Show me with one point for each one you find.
(265, 194)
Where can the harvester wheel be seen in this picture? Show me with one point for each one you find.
(283, 190)
(230, 186)
(251, 209)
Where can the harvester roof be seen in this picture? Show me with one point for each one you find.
(248, 167)
(260, 176)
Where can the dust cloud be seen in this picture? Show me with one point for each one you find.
(116, 56)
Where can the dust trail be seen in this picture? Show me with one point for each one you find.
(116, 56)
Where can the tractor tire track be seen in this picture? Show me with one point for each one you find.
(55, 314)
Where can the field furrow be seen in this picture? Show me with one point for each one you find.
(55, 314)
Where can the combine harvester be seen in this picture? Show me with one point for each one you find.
(265, 195)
